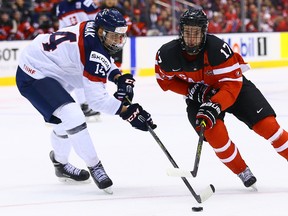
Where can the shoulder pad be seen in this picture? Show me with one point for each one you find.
(167, 55)
(218, 50)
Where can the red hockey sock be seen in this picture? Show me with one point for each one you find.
(270, 130)
(224, 148)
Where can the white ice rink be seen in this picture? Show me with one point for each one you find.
(136, 163)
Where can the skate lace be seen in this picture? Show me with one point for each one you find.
(99, 173)
(71, 169)
(245, 175)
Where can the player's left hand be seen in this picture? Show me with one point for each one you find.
(208, 112)
(125, 85)
(200, 92)
(138, 117)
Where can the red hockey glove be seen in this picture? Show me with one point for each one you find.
(208, 112)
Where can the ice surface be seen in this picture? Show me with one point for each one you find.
(137, 164)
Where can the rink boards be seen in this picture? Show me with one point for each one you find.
(261, 50)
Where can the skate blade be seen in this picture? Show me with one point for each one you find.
(254, 187)
(73, 182)
(108, 190)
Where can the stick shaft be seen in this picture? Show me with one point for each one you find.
(199, 149)
(196, 196)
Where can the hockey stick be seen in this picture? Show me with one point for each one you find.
(199, 198)
(186, 173)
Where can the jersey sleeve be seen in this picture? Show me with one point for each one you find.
(227, 71)
(229, 82)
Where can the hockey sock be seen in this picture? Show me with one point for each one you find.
(73, 123)
(224, 148)
(271, 131)
(61, 145)
(84, 147)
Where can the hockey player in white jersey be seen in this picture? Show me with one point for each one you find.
(73, 57)
(72, 12)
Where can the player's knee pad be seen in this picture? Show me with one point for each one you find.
(72, 117)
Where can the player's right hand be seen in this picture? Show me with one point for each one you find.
(208, 112)
(200, 92)
(138, 117)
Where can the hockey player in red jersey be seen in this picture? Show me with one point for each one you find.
(204, 68)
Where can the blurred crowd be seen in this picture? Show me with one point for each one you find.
(25, 19)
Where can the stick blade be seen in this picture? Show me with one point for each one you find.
(207, 193)
(176, 172)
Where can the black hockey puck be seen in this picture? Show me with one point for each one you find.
(197, 209)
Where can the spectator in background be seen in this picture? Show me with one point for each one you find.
(5, 25)
(166, 29)
(266, 25)
(27, 30)
(282, 24)
(44, 24)
(138, 27)
(153, 17)
(232, 19)
(8, 28)
(215, 25)
(252, 25)
(43, 6)
(24, 8)
(127, 8)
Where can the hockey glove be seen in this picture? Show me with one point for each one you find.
(208, 112)
(138, 117)
(125, 84)
(200, 93)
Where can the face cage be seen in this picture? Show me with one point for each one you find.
(193, 49)
(113, 41)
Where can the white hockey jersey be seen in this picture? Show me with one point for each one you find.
(76, 58)
(72, 13)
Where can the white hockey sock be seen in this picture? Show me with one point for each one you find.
(84, 147)
(62, 147)
(73, 123)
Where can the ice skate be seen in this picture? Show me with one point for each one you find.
(68, 173)
(100, 178)
(91, 115)
(248, 179)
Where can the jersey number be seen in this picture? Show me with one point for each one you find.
(226, 50)
(99, 70)
(57, 38)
